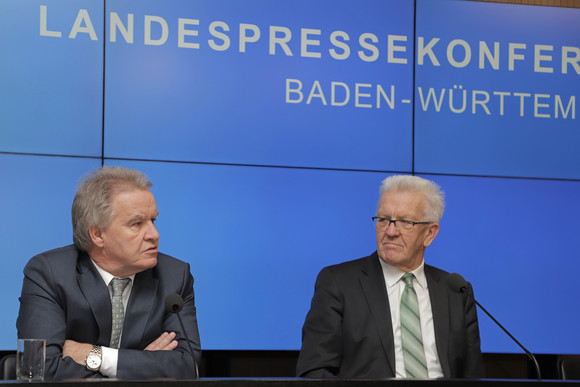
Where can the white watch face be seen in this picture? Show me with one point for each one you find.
(93, 361)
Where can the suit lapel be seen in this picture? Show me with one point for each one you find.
(375, 291)
(440, 309)
(139, 308)
(97, 295)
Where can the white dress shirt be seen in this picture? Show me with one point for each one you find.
(111, 355)
(395, 287)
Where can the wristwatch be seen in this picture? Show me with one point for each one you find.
(94, 359)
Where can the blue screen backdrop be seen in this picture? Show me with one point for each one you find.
(267, 127)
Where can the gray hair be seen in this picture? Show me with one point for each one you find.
(92, 205)
(434, 196)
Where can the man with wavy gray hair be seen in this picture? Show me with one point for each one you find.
(390, 315)
(100, 302)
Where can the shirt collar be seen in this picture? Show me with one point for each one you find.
(393, 274)
(108, 277)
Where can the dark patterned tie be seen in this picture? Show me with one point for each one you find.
(412, 340)
(119, 284)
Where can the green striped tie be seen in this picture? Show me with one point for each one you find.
(413, 352)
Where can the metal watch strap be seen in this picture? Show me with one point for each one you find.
(97, 351)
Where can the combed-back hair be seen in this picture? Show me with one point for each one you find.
(92, 205)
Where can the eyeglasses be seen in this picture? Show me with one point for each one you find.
(405, 224)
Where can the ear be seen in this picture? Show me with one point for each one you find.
(96, 236)
(432, 231)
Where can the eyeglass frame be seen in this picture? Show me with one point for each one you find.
(394, 221)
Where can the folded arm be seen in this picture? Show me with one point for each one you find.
(57, 301)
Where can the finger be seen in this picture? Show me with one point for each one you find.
(76, 351)
(67, 348)
(171, 346)
(165, 339)
(154, 345)
(161, 342)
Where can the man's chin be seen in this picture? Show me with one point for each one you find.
(149, 261)
(393, 257)
(388, 257)
(390, 251)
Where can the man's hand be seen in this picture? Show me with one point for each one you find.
(165, 342)
(79, 351)
(76, 351)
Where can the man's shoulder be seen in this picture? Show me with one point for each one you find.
(438, 277)
(62, 260)
(65, 253)
(168, 265)
(64, 250)
(353, 266)
(436, 271)
(169, 270)
(165, 259)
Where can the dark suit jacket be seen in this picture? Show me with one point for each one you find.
(64, 297)
(348, 331)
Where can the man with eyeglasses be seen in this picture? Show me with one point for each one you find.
(389, 314)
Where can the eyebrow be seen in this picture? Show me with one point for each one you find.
(406, 217)
(141, 217)
(136, 217)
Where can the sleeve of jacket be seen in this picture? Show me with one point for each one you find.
(474, 365)
(321, 352)
(43, 315)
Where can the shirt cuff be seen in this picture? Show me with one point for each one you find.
(109, 363)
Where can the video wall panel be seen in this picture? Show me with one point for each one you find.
(36, 196)
(497, 90)
(291, 83)
(51, 77)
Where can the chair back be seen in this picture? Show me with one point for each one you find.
(8, 367)
(569, 369)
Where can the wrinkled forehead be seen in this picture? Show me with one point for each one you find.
(401, 203)
(137, 200)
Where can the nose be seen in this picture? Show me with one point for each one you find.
(151, 233)
(391, 229)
